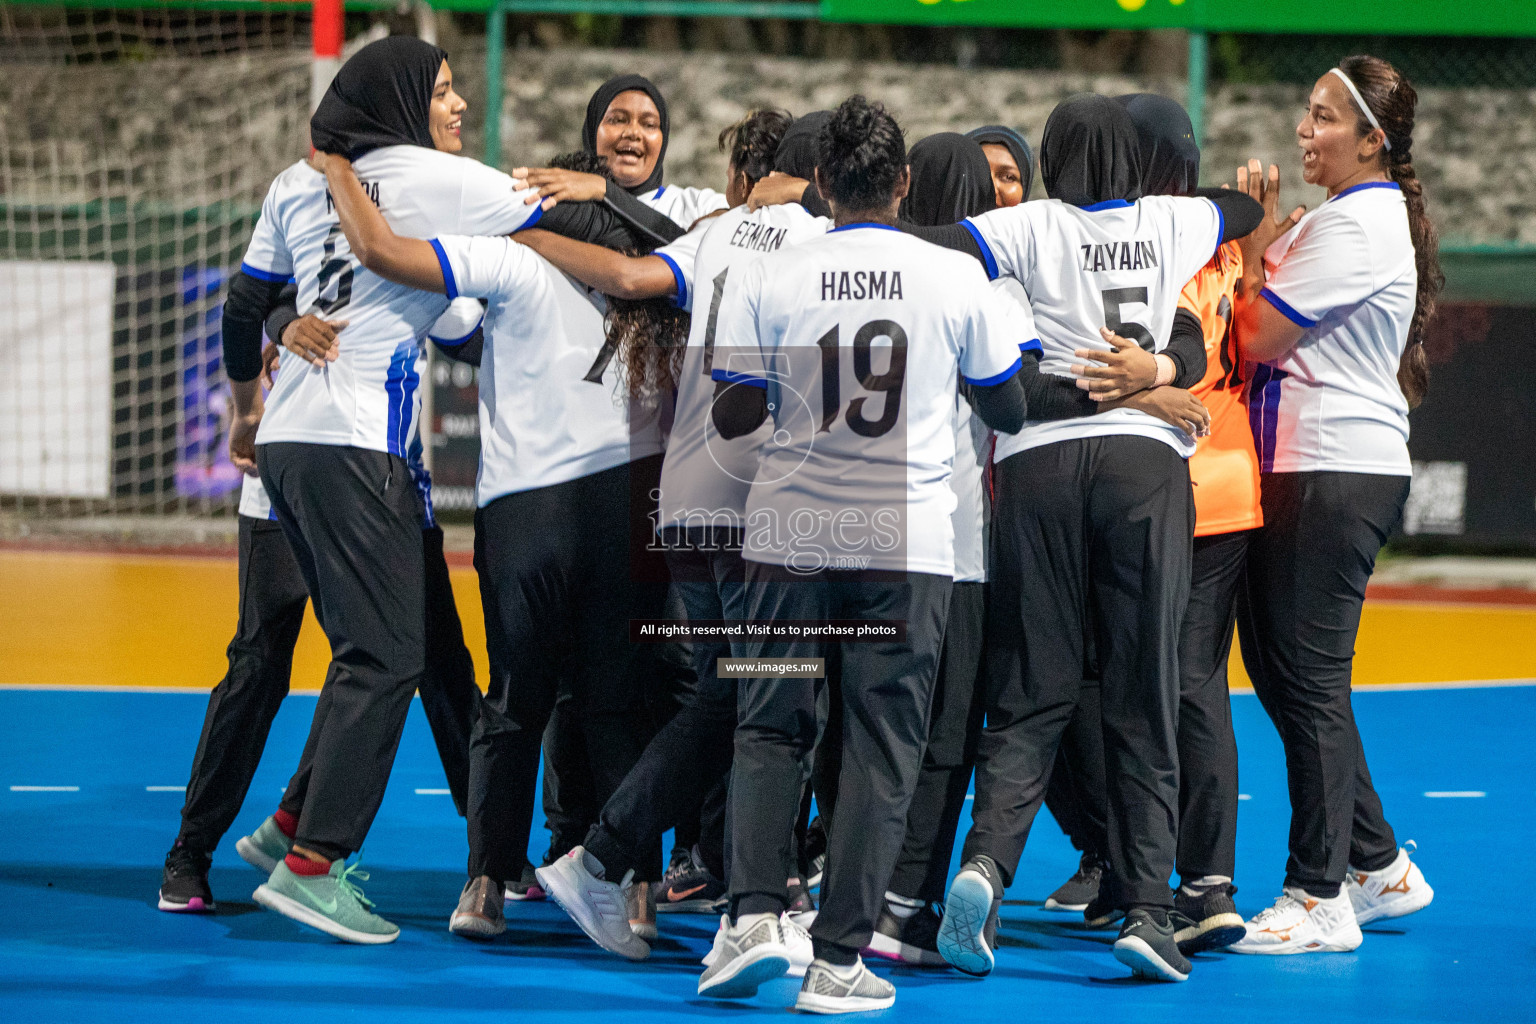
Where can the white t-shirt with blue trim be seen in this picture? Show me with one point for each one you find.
(705, 478)
(554, 404)
(368, 397)
(1346, 273)
(684, 206)
(1114, 264)
(860, 337)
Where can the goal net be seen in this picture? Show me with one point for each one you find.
(136, 145)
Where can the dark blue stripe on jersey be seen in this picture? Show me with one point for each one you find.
(1032, 345)
(986, 250)
(865, 224)
(1264, 412)
(727, 377)
(1365, 185)
(1108, 204)
(450, 286)
(264, 275)
(680, 300)
(533, 218)
(658, 193)
(1286, 310)
(451, 342)
(271, 514)
(400, 386)
(1221, 225)
(998, 378)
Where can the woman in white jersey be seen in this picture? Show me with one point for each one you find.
(331, 441)
(1334, 318)
(855, 341)
(1092, 530)
(627, 125)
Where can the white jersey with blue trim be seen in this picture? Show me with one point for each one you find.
(973, 451)
(1115, 264)
(1347, 275)
(684, 206)
(368, 397)
(860, 338)
(705, 478)
(554, 404)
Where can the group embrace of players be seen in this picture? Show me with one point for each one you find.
(1058, 448)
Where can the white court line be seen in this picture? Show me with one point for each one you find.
(1245, 796)
(45, 789)
(107, 688)
(434, 792)
(970, 796)
(165, 789)
(1454, 794)
(1468, 684)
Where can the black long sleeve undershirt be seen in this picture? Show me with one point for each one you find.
(1240, 213)
(619, 221)
(1186, 347)
(246, 306)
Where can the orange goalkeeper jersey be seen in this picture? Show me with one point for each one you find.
(1224, 468)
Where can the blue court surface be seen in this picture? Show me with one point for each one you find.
(80, 938)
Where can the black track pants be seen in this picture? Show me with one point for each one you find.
(1307, 571)
(1088, 534)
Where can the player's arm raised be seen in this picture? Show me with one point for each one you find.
(407, 261)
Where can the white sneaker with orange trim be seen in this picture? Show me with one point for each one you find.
(1299, 923)
(1394, 891)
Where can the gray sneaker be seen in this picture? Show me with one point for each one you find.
(331, 902)
(746, 954)
(479, 913)
(263, 848)
(828, 989)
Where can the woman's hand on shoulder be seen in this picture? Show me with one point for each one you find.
(554, 184)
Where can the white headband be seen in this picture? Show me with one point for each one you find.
(1365, 107)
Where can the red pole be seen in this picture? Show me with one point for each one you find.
(327, 33)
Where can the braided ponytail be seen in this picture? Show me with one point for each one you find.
(1392, 100)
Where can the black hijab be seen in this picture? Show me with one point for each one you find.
(380, 97)
(1089, 153)
(951, 180)
(798, 149)
(1170, 159)
(996, 134)
(597, 106)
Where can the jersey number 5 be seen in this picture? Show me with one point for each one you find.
(890, 382)
(1114, 298)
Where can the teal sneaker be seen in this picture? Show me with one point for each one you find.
(264, 848)
(331, 902)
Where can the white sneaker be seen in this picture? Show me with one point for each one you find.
(1299, 923)
(746, 954)
(595, 904)
(1395, 891)
(799, 942)
(829, 989)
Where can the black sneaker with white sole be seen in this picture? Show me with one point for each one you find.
(1207, 921)
(1147, 947)
(184, 884)
(1080, 890)
(912, 940)
(526, 887)
(688, 887)
(815, 852)
(1103, 911)
(968, 929)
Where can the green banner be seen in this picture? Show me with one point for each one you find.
(1385, 17)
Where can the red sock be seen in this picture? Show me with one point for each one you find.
(287, 822)
(302, 865)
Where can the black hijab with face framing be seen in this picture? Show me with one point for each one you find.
(597, 106)
(1170, 159)
(951, 180)
(1000, 135)
(1089, 153)
(798, 149)
(381, 97)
